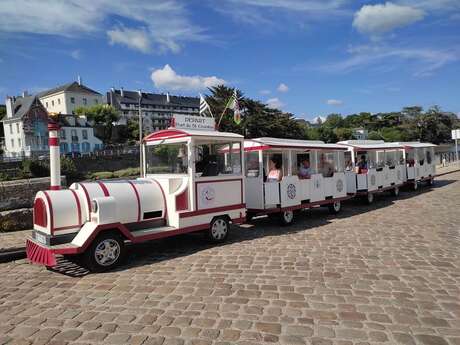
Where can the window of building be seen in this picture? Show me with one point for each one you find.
(47, 104)
(12, 142)
(11, 128)
(96, 101)
(19, 142)
(62, 133)
(59, 101)
(72, 100)
(17, 127)
(52, 103)
(84, 134)
(85, 147)
(85, 102)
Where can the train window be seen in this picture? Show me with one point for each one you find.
(400, 157)
(410, 158)
(348, 160)
(166, 159)
(327, 163)
(390, 158)
(420, 156)
(428, 156)
(217, 159)
(302, 166)
(272, 162)
(252, 164)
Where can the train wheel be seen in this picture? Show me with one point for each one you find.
(106, 252)
(335, 207)
(431, 182)
(415, 185)
(250, 216)
(395, 191)
(218, 229)
(286, 217)
(370, 198)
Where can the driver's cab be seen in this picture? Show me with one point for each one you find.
(199, 170)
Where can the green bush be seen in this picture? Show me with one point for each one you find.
(126, 172)
(68, 168)
(34, 168)
(101, 175)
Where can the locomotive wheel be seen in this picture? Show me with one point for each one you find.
(286, 217)
(370, 198)
(250, 216)
(218, 229)
(415, 185)
(395, 191)
(106, 252)
(335, 207)
(431, 182)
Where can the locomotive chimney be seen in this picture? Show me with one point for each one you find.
(55, 159)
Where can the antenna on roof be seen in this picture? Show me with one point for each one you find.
(79, 80)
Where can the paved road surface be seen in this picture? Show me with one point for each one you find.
(382, 274)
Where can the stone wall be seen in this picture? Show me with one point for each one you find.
(21, 193)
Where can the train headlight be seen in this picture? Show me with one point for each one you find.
(94, 206)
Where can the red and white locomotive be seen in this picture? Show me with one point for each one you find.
(198, 179)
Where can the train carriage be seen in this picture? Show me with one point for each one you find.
(420, 163)
(374, 166)
(307, 174)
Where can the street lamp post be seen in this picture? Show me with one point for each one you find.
(141, 156)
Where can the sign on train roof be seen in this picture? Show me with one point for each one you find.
(193, 122)
(190, 125)
(371, 144)
(415, 144)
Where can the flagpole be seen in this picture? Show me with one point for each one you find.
(222, 115)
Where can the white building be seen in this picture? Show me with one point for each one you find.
(66, 98)
(26, 130)
(360, 134)
(76, 135)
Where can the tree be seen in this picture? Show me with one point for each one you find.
(343, 133)
(103, 115)
(334, 121)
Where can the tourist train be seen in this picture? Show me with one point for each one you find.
(195, 178)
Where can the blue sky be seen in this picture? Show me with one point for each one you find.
(308, 57)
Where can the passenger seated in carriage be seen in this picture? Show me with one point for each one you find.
(362, 165)
(274, 174)
(325, 167)
(304, 169)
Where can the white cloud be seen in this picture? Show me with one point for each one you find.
(76, 54)
(275, 103)
(335, 102)
(283, 88)
(167, 79)
(265, 92)
(132, 38)
(165, 22)
(319, 119)
(381, 18)
(423, 61)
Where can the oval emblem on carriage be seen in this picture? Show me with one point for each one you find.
(339, 185)
(208, 194)
(291, 191)
(317, 184)
(373, 180)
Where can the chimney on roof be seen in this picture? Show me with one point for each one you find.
(79, 80)
(121, 92)
(167, 97)
(9, 106)
(25, 93)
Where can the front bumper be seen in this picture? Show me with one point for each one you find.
(40, 254)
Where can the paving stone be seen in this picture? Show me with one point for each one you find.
(266, 327)
(427, 339)
(68, 335)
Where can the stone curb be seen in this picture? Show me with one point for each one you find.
(20, 253)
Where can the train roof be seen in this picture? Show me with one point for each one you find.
(266, 143)
(416, 144)
(173, 133)
(371, 144)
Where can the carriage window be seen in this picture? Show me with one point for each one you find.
(327, 163)
(348, 161)
(252, 164)
(410, 158)
(303, 166)
(380, 159)
(166, 159)
(218, 159)
(400, 156)
(274, 169)
(391, 158)
(428, 156)
(420, 156)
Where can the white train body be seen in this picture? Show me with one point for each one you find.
(195, 178)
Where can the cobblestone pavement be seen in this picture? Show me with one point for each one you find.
(387, 273)
(13, 240)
